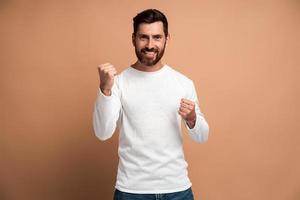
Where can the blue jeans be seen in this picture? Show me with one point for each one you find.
(182, 195)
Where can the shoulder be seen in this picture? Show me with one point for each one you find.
(185, 83)
(182, 78)
(121, 75)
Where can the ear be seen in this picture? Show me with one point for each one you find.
(133, 39)
(168, 38)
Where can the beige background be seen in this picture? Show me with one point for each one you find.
(244, 57)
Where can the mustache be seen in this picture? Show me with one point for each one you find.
(146, 49)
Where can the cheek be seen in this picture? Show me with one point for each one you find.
(161, 45)
(139, 45)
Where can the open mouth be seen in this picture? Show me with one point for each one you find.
(149, 53)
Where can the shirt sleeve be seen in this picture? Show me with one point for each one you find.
(199, 132)
(107, 112)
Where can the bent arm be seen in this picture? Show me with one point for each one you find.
(199, 133)
(106, 113)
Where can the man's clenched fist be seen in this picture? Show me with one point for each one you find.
(187, 112)
(106, 74)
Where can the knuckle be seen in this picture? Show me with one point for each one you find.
(110, 73)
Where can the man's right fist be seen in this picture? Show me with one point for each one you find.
(106, 74)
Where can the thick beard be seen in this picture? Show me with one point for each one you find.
(147, 62)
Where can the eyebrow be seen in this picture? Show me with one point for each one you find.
(145, 35)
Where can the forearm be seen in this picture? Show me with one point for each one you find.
(199, 129)
(106, 114)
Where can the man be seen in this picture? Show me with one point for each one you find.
(147, 102)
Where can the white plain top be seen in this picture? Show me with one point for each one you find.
(144, 106)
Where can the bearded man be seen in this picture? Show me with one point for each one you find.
(147, 102)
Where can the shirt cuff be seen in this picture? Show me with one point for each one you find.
(194, 129)
(104, 96)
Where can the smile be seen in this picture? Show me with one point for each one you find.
(149, 53)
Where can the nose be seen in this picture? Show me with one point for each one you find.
(150, 43)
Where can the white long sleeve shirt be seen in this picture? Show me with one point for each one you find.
(144, 106)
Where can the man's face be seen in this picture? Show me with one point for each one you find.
(150, 42)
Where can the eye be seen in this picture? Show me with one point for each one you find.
(157, 37)
(143, 37)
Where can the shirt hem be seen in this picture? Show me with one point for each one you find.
(153, 191)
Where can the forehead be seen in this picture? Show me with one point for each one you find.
(151, 29)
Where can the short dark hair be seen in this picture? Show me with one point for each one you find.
(149, 16)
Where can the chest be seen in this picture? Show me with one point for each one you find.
(146, 98)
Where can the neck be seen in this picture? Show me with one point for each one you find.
(139, 66)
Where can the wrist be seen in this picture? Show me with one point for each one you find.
(191, 123)
(106, 92)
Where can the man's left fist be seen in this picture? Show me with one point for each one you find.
(187, 112)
